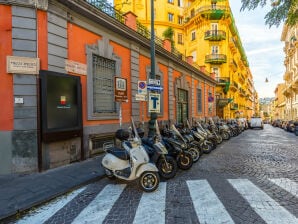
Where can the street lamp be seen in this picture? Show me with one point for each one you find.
(153, 115)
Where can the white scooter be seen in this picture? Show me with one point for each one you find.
(131, 162)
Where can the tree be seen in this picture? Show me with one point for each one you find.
(282, 11)
(169, 33)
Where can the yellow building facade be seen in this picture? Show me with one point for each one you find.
(290, 38)
(205, 30)
(280, 102)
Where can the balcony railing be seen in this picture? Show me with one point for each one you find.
(234, 106)
(216, 58)
(234, 86)
(107, 9)
(222, 80)
(213, 12)
(215, 35)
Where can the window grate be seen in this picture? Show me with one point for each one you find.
(103, 85)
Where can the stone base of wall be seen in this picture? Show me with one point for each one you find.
(60, 153)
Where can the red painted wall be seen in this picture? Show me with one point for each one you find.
(43, 39)
(6, 82)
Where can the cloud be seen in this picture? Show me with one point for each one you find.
(262, 46)
(275, 50)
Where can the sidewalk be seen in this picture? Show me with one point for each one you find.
(21, 192)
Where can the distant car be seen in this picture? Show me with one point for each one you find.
(256, 122)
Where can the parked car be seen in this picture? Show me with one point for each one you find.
(256, 122)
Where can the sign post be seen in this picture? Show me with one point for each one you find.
(120, 94)
(142, 96)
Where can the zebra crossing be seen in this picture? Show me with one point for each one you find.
(151, 208)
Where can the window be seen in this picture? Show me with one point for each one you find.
(194, 55)
(199, 98)
(216, 72)
(180, 3)
(214, 49)
(103, 85)
(214, 28)
(192, 13)
(171, 1)
(180, 38)
(171, 17)
(193, 35)
(213, 5)
(180, 20)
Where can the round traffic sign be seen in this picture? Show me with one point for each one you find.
(142, 85)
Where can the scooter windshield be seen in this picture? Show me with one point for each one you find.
(176, 132)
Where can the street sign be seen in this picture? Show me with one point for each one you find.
(155, 88)
(142, 87)
(141, 97)
(120, 89)
(154, 102)
(155, 82)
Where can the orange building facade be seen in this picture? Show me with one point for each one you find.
(58, 63)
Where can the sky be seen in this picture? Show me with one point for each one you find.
(263, 47)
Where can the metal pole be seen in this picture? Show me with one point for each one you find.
(153, 115)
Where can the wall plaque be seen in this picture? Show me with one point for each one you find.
(22, 65)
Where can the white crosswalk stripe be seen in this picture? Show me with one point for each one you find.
(269, 210)
(44, 213)
(286, 184)
(208, 207)
(98, 209)
(151, 208)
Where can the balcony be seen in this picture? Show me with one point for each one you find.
(287, 75)
(241, 78)
(295, 81)
(233, 65)
(224, 82)
(287, 91)
(213, 12)
(222, 102)
(216, 58)
(234, 106)
(234, 86)
(242, 92)
(233, 45)
(215, 35)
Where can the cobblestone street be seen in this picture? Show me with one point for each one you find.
(252, 178)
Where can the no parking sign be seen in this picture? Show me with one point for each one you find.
(142, 87)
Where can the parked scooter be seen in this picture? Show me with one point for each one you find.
(193, 146)
(296, 128)
(177, 148)
(131, 162)
(201, 136)
(158, 153)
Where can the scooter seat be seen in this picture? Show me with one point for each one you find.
(119, 153)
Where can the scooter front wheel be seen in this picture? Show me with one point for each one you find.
(195, 153)
(149, 181)
(109, 174)
(185, 161)
(167, 167)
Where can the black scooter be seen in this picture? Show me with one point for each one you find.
(177, 148)
(158, 153)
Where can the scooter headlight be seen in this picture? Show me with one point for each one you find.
(183, 146)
